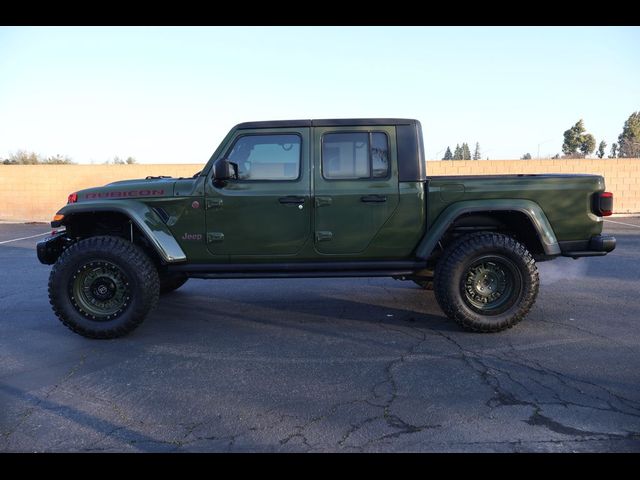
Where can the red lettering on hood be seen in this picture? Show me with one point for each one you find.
(129, 193)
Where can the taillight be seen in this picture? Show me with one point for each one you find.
(603, 204)
(72, 198)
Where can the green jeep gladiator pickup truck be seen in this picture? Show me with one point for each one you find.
(320, 198)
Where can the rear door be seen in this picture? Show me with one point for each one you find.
(355, 186)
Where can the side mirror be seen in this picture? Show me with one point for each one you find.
(223, 170)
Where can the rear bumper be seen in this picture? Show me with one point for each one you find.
(596, 246)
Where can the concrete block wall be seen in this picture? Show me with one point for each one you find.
(36, 192)
(622, 175)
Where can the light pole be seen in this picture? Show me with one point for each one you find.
(544, 141)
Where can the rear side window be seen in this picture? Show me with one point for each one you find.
(355, 155)
(266, 157)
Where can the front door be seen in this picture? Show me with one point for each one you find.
(264, 212)
(355, 186)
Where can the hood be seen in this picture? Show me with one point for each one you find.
(130, 189)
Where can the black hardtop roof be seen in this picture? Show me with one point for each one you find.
(333, 122)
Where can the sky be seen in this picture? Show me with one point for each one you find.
(169, 94)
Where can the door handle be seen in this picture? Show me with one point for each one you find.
(292, 199)
(373, 198)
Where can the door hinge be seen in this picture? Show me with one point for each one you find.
(323, 236)
(214, 203)
(215, 237)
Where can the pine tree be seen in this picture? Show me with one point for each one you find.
(476, 153)
(575, 139)
(572, 138)
(601, 148)
(457, 153)
(466, 153)
(587, 144)
(629, 139)
(448, 155)
(614, 150)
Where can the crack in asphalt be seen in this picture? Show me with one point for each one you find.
(298, 431)
(565, 379)
(374, 398)
(577, 328)
(385, 392)
(538, 419)
(498, 369)
(26, 414)
(503, 397)
(556, 408)
(392, 420)
(519, 445)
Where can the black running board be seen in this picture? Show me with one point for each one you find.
(300, 270)
(336, 274)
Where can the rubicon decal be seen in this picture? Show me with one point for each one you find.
(127, 194)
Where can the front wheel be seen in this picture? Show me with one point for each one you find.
(486, 282)
(103, 287)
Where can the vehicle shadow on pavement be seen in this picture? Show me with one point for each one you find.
(318, 314)
(92, 422)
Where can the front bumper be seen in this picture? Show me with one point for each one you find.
(596, 246)
(50, 248)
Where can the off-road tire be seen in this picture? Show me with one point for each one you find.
(505, 258)
(127, 262)
(171, 281)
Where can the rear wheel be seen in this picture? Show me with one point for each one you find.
(103, 287)
(486, 282)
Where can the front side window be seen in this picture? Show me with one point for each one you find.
(355, 155)
(266, 157)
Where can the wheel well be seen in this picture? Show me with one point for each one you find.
(513, 223)
(90, 224)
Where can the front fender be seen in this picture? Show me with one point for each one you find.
(531, 209)
(141, 215)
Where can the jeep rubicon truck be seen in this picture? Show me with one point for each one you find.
(320, 198)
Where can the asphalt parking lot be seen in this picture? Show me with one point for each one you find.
(326, 365)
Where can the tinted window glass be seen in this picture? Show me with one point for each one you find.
(345, 155)
(267, 157)
(355, 155)
(379, 155)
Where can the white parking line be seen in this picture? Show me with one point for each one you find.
(622, 223)
(25, 238)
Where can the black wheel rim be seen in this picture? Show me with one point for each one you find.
(100, 290)
(491, 284)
